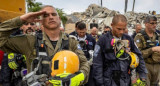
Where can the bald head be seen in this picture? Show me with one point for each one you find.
(138, 28)
(119, 24)
(119, 18)
(94, 31)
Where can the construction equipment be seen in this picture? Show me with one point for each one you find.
(11, 8)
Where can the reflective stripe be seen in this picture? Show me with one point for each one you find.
(46, 62)
(11, 56)
(43, 53)
(65, 64)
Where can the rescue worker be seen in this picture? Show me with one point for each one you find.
(87, 43)
(52, 38)
(106, 29)
(148, 43)
(138, 28)
(13, 66)
(74, 33)
(108, 69)
(8, 73)
(94, 33)
(28, 28)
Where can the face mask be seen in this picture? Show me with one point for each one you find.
(106, 31)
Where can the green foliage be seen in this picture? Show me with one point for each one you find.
(36, 6)
(62, 15)
(33, 6)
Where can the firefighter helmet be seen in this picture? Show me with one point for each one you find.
(65, 62)
(134, 60)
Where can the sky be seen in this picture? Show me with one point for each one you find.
(70, 6)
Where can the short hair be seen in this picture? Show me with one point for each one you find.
(107, 27)
(81, 26)
(77, 23)
(150, 18)
(94, 27)
(47, 6)
(118, 18)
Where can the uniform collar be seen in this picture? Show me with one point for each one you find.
(48, 43)
(61, 35)
(84, 38)
(64, 36)
(47, 40)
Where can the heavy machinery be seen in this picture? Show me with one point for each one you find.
(11, 8)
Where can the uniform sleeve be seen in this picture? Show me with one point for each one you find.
(12, 44)
(98, 63)
(139, 42)
(84, 66)
(141, 69)
(7, 27)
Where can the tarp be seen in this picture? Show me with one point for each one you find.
(11, 8)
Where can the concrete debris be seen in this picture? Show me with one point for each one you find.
(103, 16)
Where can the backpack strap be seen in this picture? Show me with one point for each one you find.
(147, 42)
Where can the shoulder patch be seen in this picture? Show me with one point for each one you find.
(96, 50)
(79, 47)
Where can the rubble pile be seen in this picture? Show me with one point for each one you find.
(103, 16)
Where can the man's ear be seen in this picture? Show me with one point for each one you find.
(111, 24)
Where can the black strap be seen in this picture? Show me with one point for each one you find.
(148, 42)
(42, 53)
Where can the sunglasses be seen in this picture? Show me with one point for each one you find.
(29, 23)
(153, 23)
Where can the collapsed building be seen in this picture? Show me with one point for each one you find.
(103, 16)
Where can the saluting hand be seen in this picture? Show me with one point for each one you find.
(32, 16)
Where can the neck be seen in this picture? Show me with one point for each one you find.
(149, 33)
(53, 34)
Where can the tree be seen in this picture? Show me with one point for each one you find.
(62, 15)
(33, 6)
(36, 6)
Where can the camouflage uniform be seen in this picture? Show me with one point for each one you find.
(145, 45)
(26, 44)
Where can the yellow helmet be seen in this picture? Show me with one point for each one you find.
(134, 60)
(65, 62)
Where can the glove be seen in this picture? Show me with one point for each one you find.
(12, 61)
(91, 57)
(77, 79)
(67, 78)
(57, 80)
(139, 83)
